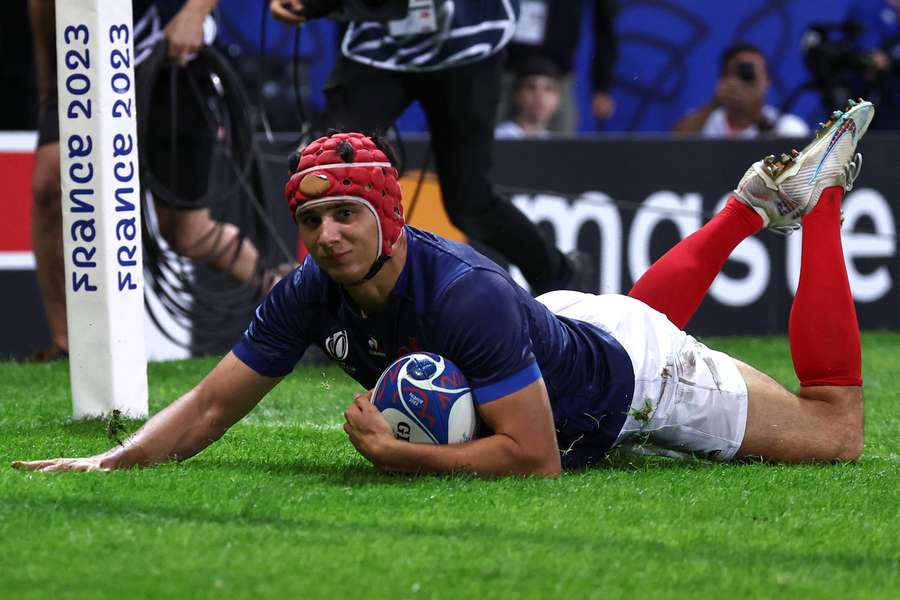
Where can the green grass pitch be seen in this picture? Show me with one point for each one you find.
(284, 507)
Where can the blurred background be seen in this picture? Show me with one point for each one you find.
(666, 61)
(638, 117)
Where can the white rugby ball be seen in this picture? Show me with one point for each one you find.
(427, 400)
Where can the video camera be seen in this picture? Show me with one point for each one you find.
(832, 59)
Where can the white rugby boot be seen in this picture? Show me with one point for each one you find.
(783, 189)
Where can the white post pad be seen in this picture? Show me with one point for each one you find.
(101, 207)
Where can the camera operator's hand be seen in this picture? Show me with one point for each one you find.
(288, 11)
(184, 32)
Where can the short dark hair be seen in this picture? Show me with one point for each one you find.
(382, 143)
(735, 49)
(535, 66)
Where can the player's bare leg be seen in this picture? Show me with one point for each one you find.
(824, 420)
(818, 424)
(47, 242)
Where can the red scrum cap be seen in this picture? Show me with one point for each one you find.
(349, 167)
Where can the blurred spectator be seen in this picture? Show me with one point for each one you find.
(738, 108)
(535, 101)
(880, 41)
(549, 30)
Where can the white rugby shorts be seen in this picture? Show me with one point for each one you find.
(688, 399)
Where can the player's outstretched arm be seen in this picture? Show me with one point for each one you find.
(523, 443)
(183, 428)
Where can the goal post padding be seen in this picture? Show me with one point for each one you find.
(101, 207)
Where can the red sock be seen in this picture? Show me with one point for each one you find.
(823, 331)
(676, 283)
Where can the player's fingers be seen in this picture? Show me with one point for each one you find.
(351, 435)
(31, 465)
(75, 464)
(55, 466)
(359, 404)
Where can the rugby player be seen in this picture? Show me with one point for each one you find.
(558, 380)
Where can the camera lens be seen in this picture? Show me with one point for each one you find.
(746, 72)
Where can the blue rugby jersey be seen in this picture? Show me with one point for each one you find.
(453, 301)
(467, 31)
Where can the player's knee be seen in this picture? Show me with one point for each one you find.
(849, 441)
(845, 434)
(843, 417)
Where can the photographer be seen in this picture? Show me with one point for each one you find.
(448, 57)
(738, 109)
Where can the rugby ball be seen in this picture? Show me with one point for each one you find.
(427, 400)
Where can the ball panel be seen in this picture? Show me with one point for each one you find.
(405, 428)
(462, 419)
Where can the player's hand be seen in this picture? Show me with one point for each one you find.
(90, 463)
(287, 11)
(368, 430)
(184, 34)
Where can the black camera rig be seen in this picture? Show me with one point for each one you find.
(833, 60)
